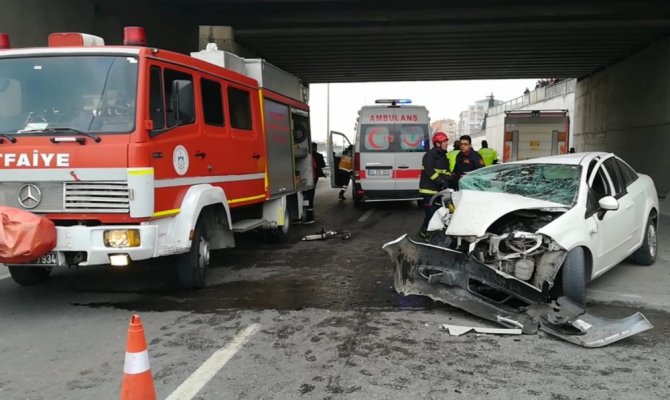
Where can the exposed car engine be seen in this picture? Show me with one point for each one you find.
(512, 246)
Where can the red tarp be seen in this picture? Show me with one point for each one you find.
(24, 236)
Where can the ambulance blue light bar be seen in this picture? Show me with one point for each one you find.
(393, 102)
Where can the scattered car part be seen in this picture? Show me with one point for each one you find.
(455, 278)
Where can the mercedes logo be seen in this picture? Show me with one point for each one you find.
(30, 196)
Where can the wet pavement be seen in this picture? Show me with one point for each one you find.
(331, 326)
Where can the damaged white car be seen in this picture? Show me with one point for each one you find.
(518, 243)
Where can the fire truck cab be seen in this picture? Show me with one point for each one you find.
(136, 152)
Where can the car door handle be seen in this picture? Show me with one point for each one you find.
(256, 156)
(200, 154)
(403, 166)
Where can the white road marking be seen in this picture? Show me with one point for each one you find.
(5, 276)
(198, 379)
(365, 216)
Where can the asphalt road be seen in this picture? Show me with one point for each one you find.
(315, 320)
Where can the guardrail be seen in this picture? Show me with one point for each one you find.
(537, 95)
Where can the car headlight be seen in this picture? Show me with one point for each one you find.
(122, 238)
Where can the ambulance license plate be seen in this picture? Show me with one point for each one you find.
(379, 172)
(47, 259)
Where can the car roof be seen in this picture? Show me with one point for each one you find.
(572, 158)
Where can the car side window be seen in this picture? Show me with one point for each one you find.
(627, 173)
(617, 181)
(599, 189)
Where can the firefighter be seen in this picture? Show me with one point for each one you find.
(489, 155)
(451, 156)
(467, 160)
(435, 176)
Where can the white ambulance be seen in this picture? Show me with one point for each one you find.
(391, 139)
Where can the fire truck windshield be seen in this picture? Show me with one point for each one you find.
(80, 92)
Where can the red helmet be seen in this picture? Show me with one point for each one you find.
(439, 137)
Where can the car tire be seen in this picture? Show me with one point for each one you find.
(29, 276)
(574, 276)
(191, 266)
(646, 254)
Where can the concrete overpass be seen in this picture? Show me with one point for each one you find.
(619, 50)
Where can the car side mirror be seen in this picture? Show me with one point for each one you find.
(608, 203)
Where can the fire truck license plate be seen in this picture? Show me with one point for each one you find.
(47, 259)
(379, 172)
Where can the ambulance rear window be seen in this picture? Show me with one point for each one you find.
(377, 138)
(413, 138)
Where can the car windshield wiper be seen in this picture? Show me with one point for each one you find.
(95, 138)
(9, 137)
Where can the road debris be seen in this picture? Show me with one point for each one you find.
(324, 234)
(458, 330)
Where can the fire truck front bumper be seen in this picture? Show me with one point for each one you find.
(99, 245)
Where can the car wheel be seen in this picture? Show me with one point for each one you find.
(574, 276)
(28, 276)
(646, 254)
(191, 266)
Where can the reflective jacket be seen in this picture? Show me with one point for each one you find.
(452, 159)
(489, 155)
(434, 172)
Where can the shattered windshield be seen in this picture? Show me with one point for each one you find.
(86, 93)
(558, 183)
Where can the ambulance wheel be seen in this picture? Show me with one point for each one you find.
(358, 202)
(191, 266)
(28, 276)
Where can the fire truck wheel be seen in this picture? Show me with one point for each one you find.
(28, 276)
(280, 233)
(191, 266)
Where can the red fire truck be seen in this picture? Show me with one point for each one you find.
(135, 152)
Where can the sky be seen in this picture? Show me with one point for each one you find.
(444, 99)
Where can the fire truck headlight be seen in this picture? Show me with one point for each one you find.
(122, 238)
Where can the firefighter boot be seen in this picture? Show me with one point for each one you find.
(309, 216)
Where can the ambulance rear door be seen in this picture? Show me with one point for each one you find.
(375, 145)
(411, 141)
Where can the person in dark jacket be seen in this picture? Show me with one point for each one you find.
(466, 161)
(318, 164)
(435, 176)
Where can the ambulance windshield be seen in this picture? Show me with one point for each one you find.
(84, 93)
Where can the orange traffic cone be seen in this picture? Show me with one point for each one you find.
(138, 384)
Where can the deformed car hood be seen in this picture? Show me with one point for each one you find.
(476, 211)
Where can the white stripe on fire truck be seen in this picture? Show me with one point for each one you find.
(63, 174)
(163, 183)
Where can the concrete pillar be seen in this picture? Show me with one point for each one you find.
(625, 109)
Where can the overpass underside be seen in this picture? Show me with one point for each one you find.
(618, 50)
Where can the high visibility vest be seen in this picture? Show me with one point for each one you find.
(451, 156)
(488, 155)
